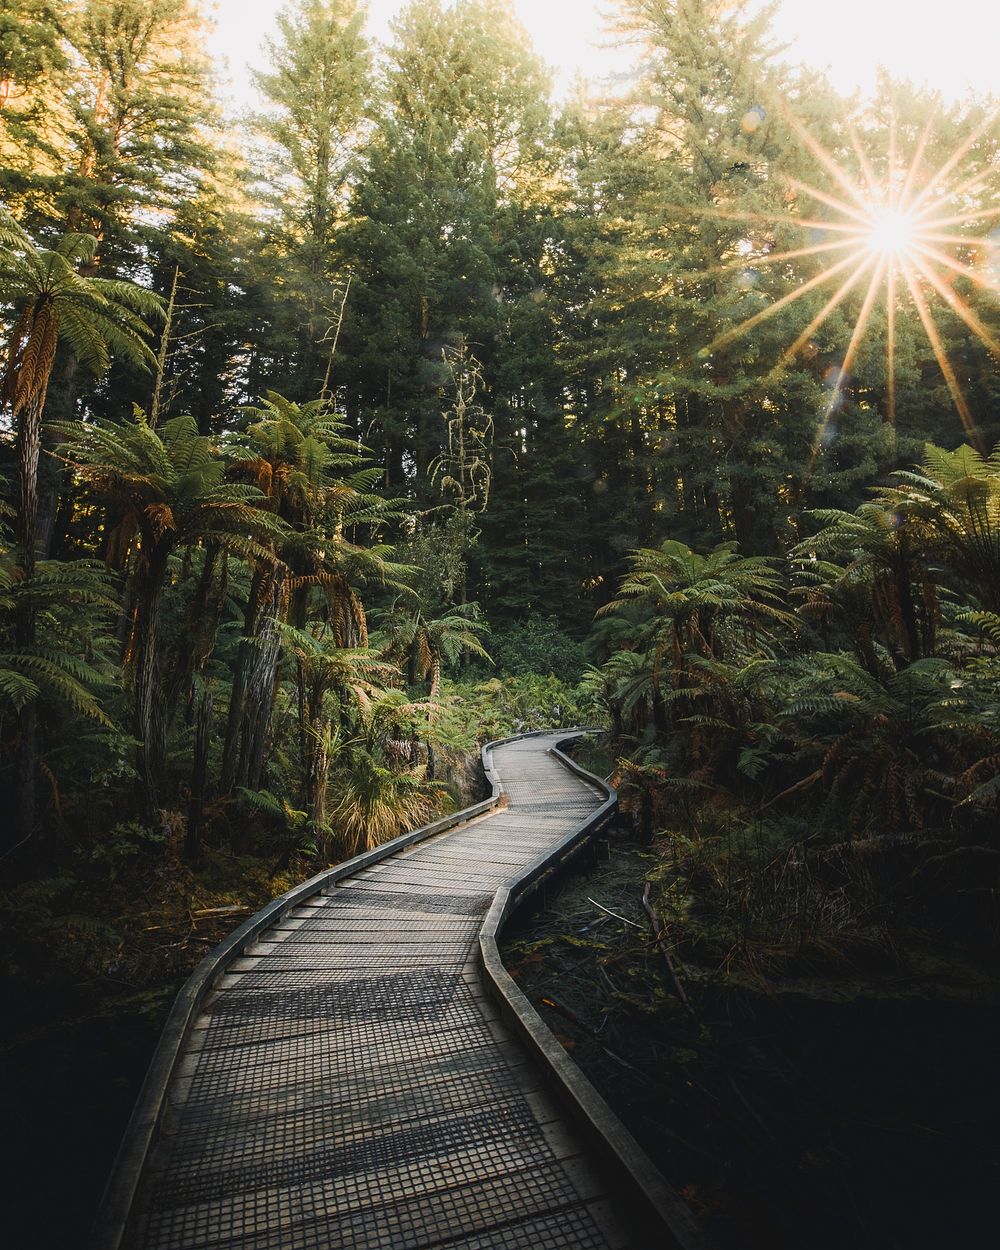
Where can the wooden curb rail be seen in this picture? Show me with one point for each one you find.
(662, 1214)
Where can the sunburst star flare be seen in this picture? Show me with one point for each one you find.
(892, 230)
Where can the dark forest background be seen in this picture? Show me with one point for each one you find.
(418, 407)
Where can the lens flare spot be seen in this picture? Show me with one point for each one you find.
(751, 120)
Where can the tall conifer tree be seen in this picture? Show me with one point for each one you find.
(317, 91)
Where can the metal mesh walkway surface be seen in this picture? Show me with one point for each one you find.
(348, 1084)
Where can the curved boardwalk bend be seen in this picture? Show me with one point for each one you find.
(353, 1068)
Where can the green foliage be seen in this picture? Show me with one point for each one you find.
(537, 645)
(508, 705)
(63, 666)
(127, 844)
(377, 801)
(315, 91)
(451, 363)
(425, 648)
(895, 734)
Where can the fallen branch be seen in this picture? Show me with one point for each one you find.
(659, 932)
(205, 912)
(614, 914)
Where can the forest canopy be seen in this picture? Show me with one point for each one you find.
(328, 429)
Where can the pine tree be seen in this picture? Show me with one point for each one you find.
(463, 111)
(140, 102)
(34, 68)
(317, 90)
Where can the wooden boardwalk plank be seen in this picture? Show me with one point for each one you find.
(347, 1083)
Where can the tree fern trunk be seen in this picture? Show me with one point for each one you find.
(29, 448)
(305, 756)
(197, 638)
(237, 697)
(148, 705)
(234, 720)
(261, 685)
(55, 503)
(24, 625)
(660, 718)
(319, 777)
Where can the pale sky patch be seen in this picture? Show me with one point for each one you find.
(951, 45)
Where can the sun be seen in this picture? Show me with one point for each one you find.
(891, 233)
(902, 234)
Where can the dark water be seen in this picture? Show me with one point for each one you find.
(850, 1121)
(868, 1123)
(67, 1090)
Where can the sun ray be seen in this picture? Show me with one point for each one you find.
(959, 154)
(891, 180)
(852, 347)
(964, 219)
(975, 183)
(736, 331)
(944, 364)
(958, 306)
(865, 164)
(829, 200)
(825, 159)
(949, 262)
(933, 236)
(766, 219)
(890, 340)
(775, 258)
(893, 230)
(866, 309)
(835, 300)
(918, 156)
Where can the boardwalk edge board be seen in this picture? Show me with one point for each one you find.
(661, 1210)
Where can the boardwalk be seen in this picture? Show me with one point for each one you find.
(348, 1084)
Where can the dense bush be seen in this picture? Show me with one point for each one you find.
(537, 645)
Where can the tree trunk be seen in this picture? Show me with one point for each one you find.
(234, 721)
(261, 684)
(54, 495)
(149, 711)
(319, 776)
(660, 719)
(30, 444)
(197, 638)
(305, 755)
(237, 697)
(24, 624)
(199, 775)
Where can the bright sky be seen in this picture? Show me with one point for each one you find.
(952, 45)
